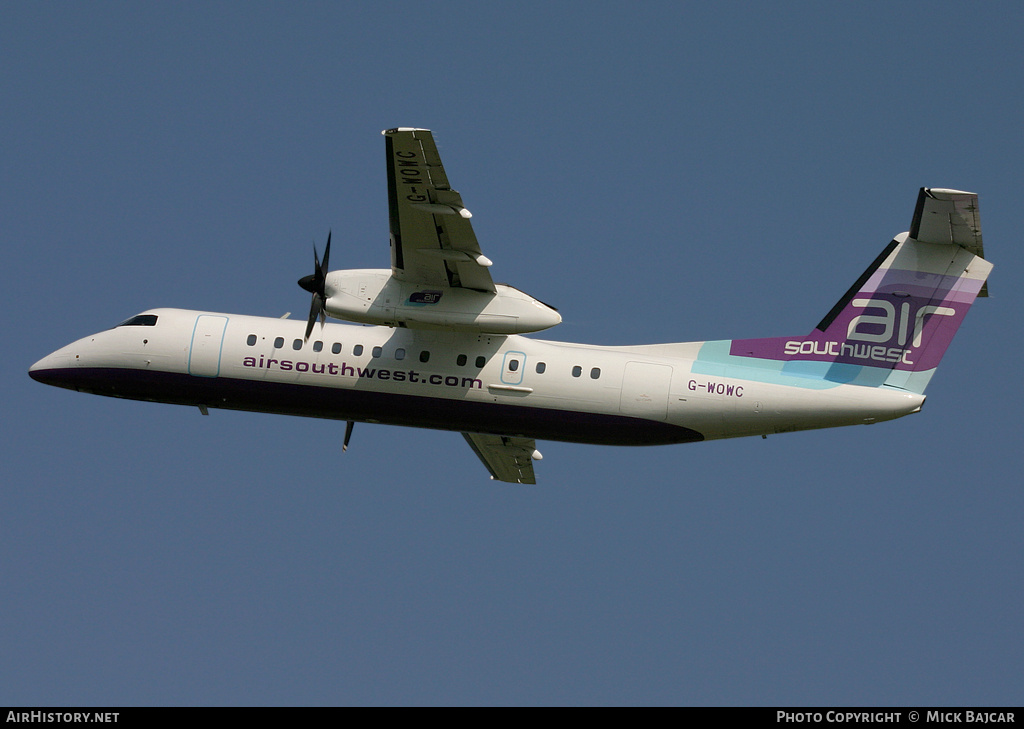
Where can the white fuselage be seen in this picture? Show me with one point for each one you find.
(506, 385)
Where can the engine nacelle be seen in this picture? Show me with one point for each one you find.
(372, 296)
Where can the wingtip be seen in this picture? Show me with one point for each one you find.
(946, 191)
(396, 130)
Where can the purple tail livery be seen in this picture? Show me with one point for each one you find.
(894, 324)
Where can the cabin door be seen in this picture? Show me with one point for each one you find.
(207, 342)
(512, 368)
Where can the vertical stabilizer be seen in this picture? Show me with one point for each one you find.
(894, 324)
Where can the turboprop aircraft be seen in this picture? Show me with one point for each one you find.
(446, 348)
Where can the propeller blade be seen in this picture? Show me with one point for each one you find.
(316, 284)
(317, 308)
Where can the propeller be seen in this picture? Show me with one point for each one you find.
(314, 283)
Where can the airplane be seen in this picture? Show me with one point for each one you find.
(446, 349)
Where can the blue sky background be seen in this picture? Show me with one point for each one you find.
(657, 171)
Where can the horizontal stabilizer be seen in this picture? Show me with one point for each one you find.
(948, 216)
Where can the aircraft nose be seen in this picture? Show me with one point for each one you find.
(39, 370)
(53, 369)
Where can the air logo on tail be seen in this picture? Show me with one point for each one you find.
(888, 321)
(880, 337)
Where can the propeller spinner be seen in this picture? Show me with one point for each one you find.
(314, 283)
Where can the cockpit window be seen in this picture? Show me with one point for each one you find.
(142, 320)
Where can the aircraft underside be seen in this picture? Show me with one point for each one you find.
(367, 406)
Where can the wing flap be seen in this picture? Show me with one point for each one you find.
(508, 458)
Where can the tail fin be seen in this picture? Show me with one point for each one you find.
(894, 324)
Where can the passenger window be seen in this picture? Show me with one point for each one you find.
(481, 361)
(461, 360)
(399, 353)
(577, 371)
(595, 373)
(251, 340)
(318, 346)
(541, 367)
(297, 345)
(357, 350)
(377, 351)
(278, 343)
(424, 356)
(513, 365)
(336, 348)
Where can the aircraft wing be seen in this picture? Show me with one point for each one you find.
(508, 459)
(432, 240)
